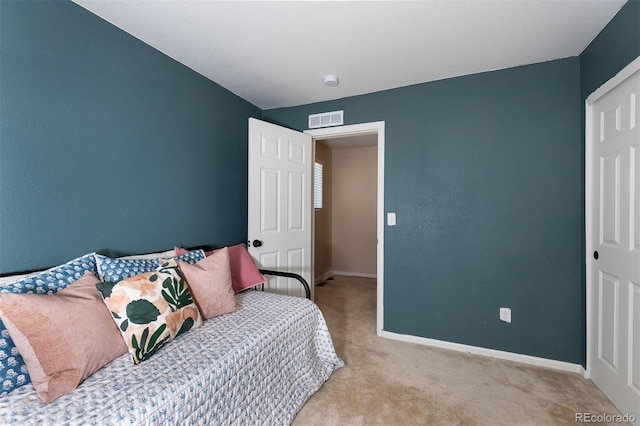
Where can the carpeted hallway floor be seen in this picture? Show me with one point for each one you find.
(387, 382)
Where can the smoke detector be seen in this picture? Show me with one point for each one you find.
(330, 80)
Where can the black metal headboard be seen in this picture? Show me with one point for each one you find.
(302, 281)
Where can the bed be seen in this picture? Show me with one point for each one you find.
(258, 365)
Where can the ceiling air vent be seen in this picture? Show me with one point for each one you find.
(325, 119)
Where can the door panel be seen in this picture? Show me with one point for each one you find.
(607, 321)
(614, 340)
(610, 200)
(280, 191)
(634, 337)
(270, 201)
(295, 217)
(635, 199)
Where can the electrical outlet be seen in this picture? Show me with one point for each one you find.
(505, 315)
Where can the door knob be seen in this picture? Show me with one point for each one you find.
(257, 243)
(596, 255)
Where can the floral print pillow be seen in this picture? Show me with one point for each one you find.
(151, 309)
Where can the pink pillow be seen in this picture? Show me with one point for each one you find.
(209, 281)
(244, 272)
(64, 337)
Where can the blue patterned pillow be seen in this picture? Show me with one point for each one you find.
(115, 270)
(13, 372)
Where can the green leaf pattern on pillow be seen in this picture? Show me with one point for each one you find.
(151, 309)
(176, 293)
(149, 346)
(142, 311)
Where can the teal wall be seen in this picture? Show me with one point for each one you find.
(614, 48)
(486, 173)
(483, 172)
(108, 144)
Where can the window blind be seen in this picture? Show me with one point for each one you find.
(317, 186)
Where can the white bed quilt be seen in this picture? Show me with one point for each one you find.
(258, 365)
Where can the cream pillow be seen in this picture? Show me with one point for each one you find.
(168, 253)
(151, 309)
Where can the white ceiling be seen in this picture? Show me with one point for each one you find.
(274, 54)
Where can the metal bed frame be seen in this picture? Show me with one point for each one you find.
(302, 281)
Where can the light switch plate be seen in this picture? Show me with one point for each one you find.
(391, 219)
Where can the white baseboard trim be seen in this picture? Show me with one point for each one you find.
(493, 353)
(354, 274)
(322, 277)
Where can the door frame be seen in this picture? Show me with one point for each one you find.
(625, 73)
(376, 127)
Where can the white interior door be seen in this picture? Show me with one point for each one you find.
(280, 194)
(613, 264)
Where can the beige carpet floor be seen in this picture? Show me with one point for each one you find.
(386, 382)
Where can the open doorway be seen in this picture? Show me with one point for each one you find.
(345, 215)
(348, 228)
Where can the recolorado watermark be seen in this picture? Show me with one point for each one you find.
(604, 418)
